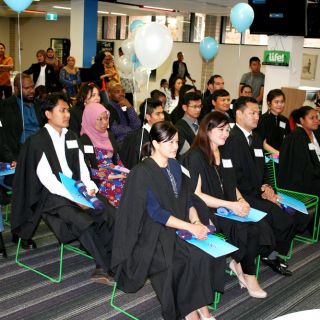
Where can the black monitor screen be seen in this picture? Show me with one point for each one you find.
(284, 17)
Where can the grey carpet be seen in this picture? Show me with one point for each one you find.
(26, 295)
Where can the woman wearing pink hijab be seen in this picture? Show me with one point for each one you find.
(100, 152)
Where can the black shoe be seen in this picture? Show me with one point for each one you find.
(277, 266)
(24, 244)
(100, 276)
(283, 263)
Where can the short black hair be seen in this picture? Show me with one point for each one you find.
(245, 86)
(163, 81)
(241, 103)
(152, 104)
(219, 93)
(213, 78)
(51, 101)
(254, 59)
(156, 94)
(191, 96)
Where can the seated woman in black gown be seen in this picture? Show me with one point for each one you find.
(273, 127)
(213, 180)
(156, 202)
(299, 167)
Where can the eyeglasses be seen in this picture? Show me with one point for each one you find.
(196, 107)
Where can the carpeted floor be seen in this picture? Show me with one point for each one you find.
(26, 295)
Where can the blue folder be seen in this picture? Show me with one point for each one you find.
(292, 203)
(74, 192)
(7, 172)
(214, 246)
(253, 216)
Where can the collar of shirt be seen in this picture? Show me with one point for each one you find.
(27, 104)
(189, 121)
(147, 127)
(54, 134)
(245, 132)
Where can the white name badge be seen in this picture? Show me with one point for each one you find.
(72, 144)
(258, 153)
(124, 109)
(282, 124)
(311, 146)
(0, 123)
(227, 163)
(185, 171)
(88, 149)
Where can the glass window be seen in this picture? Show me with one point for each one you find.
(199, 27)
(109, 27)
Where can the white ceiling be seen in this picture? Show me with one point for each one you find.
(212, 7)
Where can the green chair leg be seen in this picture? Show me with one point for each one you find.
(214, 306)
(118, 308)
(50, 278)
(6, 217)
(289, 256)
(257, 266)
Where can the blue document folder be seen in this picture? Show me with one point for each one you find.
(214, 246)
(73, 191)
(292, 203)
(253, 216)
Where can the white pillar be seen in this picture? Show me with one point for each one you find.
(279, 76)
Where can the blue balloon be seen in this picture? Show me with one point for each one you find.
(18, 5)
(208, 48)
(241, 16)
(135, 24)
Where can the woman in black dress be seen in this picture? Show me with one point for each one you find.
(273, 126)
(156, 202)
(299, 167)
(213, 180)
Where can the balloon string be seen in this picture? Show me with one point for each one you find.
(20, 72)
(144, 115)
(239, 56)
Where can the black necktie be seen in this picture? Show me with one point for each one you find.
(250, 138)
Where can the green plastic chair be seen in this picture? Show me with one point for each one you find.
(309, 200)
(56, 279)
(131, 316)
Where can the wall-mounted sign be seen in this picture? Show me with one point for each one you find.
(52, 16)
(276, 58)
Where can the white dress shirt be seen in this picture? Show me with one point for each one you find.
(245, 132)
(41, 81)
(49, 179)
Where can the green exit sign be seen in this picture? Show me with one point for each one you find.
(276, 58)
(52, 16)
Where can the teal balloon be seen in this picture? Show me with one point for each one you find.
(241, 16)
(135, 24)
(208, 48)
(18, 5)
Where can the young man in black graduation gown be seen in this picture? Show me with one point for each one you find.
(188, 125)
(131, 146)
(246, 151)
(38, 192)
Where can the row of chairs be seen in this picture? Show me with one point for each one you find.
(310, 201)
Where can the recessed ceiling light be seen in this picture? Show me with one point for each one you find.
(118, 14)
(103, 12)
(63, 8)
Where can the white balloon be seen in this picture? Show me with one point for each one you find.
(141, 75)
(125, 64)
(152, 44)
(128, 47)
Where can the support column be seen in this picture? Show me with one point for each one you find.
(83, 31)
(279, 76)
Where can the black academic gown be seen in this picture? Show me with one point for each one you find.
(185, 133)
(75, 121)
(251, 174)
(32, 201)
(130, 148)
(273, 129)
(5, 152)
(183, 277)
(12, 122)
(299, 167)
(238, 233)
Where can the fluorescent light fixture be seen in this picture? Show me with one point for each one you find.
(103, 12)
(62, 8)
(118, 14)
(34, 11)
(158, 8)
